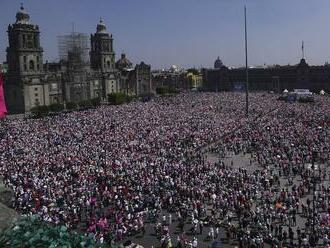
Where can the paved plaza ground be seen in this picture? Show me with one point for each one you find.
(149, 239)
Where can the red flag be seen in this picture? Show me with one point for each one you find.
(3, 109)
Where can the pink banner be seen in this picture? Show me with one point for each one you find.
(3, 109)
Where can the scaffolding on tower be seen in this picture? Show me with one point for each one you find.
(74, 47)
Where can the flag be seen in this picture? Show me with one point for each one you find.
(3, 109)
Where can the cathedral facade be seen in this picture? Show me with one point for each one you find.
(30, 82)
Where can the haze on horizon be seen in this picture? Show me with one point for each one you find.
(188, 33)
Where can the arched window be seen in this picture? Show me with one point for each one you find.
(24, 40)
(38, 64)
(31, 65)
(108, 63)
(24, 63)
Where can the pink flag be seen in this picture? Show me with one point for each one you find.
(3, 109)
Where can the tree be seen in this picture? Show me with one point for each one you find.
(85, 104)
(71, 105)
(118, 98)
(56, 107)
(193, 71)
(96, 102)
(40, 111)
(162, 90)
(34, 232)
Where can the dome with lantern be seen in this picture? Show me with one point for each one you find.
(101, 28)
(123, 62)
(218, 63)
(174, 68)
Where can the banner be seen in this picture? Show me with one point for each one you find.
(3, 109)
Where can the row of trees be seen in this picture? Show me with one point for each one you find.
(113, 98)
(165, 90)
(44, 110)
(119, 98)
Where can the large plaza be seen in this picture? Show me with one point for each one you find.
(177, 168)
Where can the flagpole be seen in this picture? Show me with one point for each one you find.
(246, 68)
(302, 50)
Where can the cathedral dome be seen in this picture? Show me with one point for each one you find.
(101, 28)
(123, 62)
(218, 63)
(22, 17)
(174, 68)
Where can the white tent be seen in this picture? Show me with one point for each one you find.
(285, 91)
(322, 92)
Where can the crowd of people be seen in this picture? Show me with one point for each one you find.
(109, 170)
(292, 147)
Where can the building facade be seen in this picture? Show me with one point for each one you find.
(102, 58)
(30, 83)
(143, 79)
(25, 85)
(194, 80)
(275, 78)
(173, 77)
(134, 81)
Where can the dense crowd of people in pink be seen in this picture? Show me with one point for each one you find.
(292, 144)
(108, 170)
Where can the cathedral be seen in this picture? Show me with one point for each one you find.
(30, 82)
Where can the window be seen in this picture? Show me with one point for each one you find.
(35, 89)
(108, 63)
(30, 41)
(36, 94)
(31, 65)
(36, 40)
(24, 63)
(24, 40)
(38, 64)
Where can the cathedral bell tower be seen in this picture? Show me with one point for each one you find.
(102, 55)
(25, 87)
(24, 54)
(102, 58)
